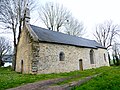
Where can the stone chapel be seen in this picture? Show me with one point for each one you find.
(41, 51)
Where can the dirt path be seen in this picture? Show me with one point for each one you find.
(49, 84)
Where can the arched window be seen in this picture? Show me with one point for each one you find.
(62, 56)
(91, 56)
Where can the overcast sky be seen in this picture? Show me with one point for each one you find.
(90, 12)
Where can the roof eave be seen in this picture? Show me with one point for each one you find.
(32, 33)
(40, 41)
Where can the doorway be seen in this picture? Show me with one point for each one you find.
(80, 65)
(21, 66)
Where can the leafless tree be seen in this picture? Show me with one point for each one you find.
(5, 47)
(74, 27)
(54, 15)
(116, 53)
(106, 33)
(12, 16)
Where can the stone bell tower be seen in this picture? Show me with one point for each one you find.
(27, 15)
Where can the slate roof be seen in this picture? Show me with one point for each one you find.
(45, 35)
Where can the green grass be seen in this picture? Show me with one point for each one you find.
(108, 80)
(9, 78)
(83, 74)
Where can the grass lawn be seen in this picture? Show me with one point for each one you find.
(9, 78)
(109, 80)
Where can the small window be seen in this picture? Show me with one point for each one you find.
(91, 56)
(104, 57)
(62, 56)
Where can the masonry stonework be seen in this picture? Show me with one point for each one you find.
(49, 58)
(43, 57)
(24, 53)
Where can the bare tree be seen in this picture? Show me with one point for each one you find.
(5, 47)
(74, 27)
(12, 15)
(106, 33)
(116, 53)
(54, 15)
(9, 18)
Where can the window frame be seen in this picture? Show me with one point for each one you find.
(61, 56)
(92, 57)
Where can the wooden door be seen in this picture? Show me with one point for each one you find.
(80, 65)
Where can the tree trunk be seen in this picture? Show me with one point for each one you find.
(114, 60)
(19, 29)
(117, 60)
(0, 62)
(15, 50)
(109, 59)
(14, 57)
(57, 28)
(15, 46)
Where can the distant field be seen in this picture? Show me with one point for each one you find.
(110, 77)
(108, 80)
